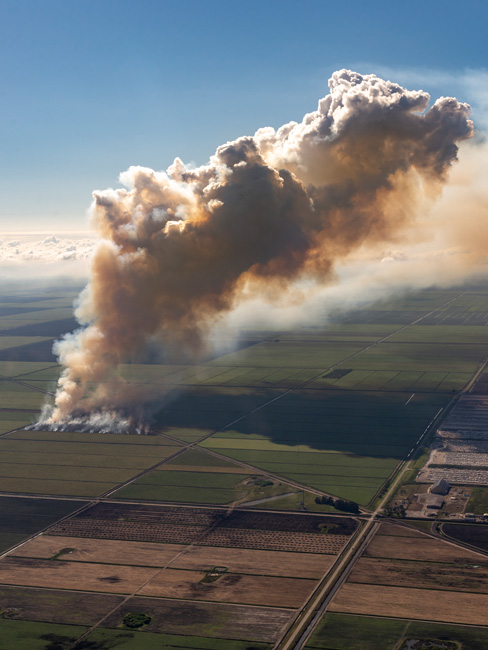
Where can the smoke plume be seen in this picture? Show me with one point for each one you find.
(181, 248)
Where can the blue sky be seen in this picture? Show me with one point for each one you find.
(88, 88)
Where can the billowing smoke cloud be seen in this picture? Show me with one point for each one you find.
(183, 247)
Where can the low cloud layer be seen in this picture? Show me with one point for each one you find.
(48, 249)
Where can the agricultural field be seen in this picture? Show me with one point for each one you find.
(267, 423)
(478, 502)
(202, 572)
(474, 535)
(402, 569)
(332, 408)
(22, 517)
(349, 632)
(71, 464)
(27, 635)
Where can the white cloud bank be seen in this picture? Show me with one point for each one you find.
(31, 254)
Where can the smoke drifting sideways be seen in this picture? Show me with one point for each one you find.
(181, 248)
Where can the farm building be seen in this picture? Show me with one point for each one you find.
(440, 487)
(431, 500)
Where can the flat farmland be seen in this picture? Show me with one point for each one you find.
(196, 459)
(178, 556)
(266, 563)
(406, 574)
(58, 574)
(35, 315)
(142, 531)
(272, 591)
(15, 341)
(17, 396)
(222, 376)
(269, 540)
(32, 371)
(334, 407)
(49, 329)
(395, 380)
(10, 420)
(474, 535)
(24, 368)
(57, 606)
(217, 620)
(424, 548)
(21, 517)
(239, 529)
(190, 486)
(38, 351)
(426, 575)
(409, 603)
(125, 640)
(100, 551)
(295, 435)
(200, 411)
(28, 635)
(472, 334)
(52, 463)
(277, 354)
(452, 357)
(348, 632)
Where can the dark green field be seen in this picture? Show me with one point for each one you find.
(128, 640)
(27, 635)
(346, 632)
(22, 517)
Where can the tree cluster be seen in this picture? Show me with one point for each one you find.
(339, 504)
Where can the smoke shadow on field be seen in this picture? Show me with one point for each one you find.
(40, 351)
(355, 423)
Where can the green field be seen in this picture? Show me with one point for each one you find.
(36, 462)
(478, 502)
(128, 640)
(30, 635)
(347, 632)
(200, 487)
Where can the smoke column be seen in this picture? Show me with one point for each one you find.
(180, 248)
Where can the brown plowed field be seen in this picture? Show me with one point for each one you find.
(207, 619)
(422, 548)
(73, 575)
(200, 558)
(275, 541)
(128, 530)
(423, 604)
(230, 588)
(100, 550)
(53, 606)
(239, 560)
(421, 574)
(395, 530)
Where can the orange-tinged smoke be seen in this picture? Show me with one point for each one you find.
(180, 248)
